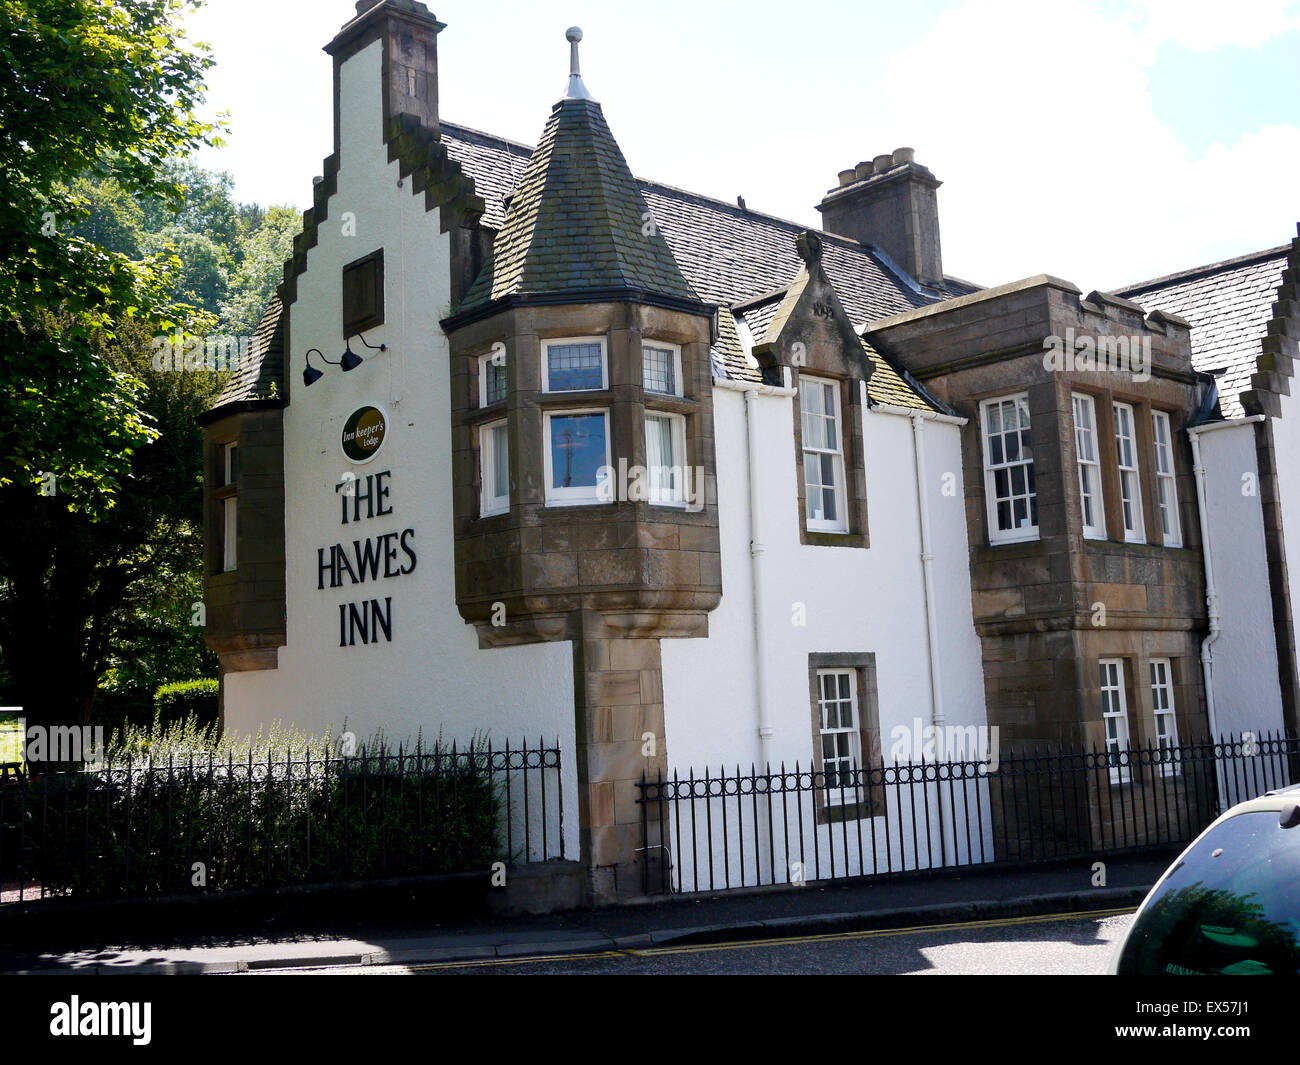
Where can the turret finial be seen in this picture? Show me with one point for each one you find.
(577, 90)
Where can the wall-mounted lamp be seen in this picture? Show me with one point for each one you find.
(350, 360)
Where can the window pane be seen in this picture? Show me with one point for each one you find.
(810, 397)
(500, 462)
(828, 505)
(659, 368)
(494, 381)
(574, 366)
(661, 457)
(229, 537)
(577, 449)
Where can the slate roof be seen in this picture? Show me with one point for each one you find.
(1229, 305)
(738, 258)
(577, 221)
(261, 375)
(886, 384)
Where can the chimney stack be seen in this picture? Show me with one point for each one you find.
(408, 31)
(890, 202)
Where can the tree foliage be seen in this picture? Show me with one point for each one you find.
(106, 90)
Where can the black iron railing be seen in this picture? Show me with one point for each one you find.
(791, 825)
(164, 826)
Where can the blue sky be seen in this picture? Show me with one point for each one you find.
(1103, 141)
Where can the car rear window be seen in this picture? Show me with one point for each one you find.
(1231, 906)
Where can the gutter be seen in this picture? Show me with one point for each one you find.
(752, 390)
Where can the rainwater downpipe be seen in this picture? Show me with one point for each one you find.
(757, 551)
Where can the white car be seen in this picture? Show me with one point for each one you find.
(1230, 904)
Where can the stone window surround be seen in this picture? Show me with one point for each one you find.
(1139, 532)
(1108, 456)
(486, 454)
(992, 537)
(864, 665)
(676, 350)
(220, 492)
(1139, 700)
(851, 429)
(1096, 531)
(1104, 429)
(575, 499)
(548, 342)
(1171, 686)
(1175, 538)
(683, 404)
(481, 400)
(1118, 774)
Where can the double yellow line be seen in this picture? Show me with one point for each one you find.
(831, 937)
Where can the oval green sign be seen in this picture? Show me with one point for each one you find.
(363, 433)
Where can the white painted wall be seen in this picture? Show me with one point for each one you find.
(432, 678)
(1247, 694)
(854, 600)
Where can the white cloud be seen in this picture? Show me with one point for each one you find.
(1038, 118)
(1204, 25)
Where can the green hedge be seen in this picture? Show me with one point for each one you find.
(184, 699)
(250, 828)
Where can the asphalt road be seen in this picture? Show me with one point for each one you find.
(1038, 946)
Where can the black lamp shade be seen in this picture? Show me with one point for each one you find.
(310, 375)
(350, 361)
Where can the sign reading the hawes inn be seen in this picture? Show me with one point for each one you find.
(365, 561)
(363, 433)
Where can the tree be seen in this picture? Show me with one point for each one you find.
(79, 593)
(99, 477)
(260, 270)
(107, 90)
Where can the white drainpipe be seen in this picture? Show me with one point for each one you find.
(752, 391)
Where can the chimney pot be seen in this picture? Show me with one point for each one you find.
(899, 215)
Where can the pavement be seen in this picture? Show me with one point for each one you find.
(819, 908)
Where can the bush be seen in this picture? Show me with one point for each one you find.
(266, 819)
(185, 699)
